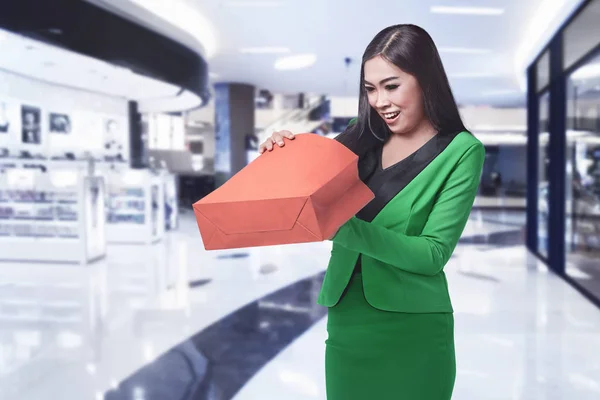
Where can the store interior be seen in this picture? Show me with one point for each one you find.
(67, 186)
(106, 291)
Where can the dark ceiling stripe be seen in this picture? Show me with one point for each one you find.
(86, 29)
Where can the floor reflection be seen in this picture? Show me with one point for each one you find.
(172, 321)
(217, 362)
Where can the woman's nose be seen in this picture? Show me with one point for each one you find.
(382, 100)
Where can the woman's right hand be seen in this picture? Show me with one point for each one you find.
(276, 138)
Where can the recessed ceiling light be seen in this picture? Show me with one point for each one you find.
(254, 3)
(265, 50)
(294, 62)
(463, 50)
(466, 10)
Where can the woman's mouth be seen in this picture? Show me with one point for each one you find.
(390, 117)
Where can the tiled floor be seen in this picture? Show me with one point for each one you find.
(172, 321)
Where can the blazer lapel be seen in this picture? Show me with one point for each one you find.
(389, 183)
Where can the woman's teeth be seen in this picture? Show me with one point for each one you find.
(391, 115)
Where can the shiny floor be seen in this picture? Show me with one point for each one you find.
(172, 321)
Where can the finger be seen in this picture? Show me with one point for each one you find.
(262, 147)
(278, 139)
(269, 146)
(287, 134)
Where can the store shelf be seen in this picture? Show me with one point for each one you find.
(42, 218)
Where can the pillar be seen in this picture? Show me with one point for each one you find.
(138, 155)
(234, 121)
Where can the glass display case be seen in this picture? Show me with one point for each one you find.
(51, 215)
(135, 207)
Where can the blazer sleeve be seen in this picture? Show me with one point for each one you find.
(428, 253)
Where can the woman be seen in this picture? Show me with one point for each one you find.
(390, 325)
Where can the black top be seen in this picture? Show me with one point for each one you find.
(387, 183)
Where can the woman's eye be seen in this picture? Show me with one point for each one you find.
(391, 87)
(369, 89)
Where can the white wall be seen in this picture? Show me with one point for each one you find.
(262, 118)
(344, 107)
(88, 112)
(204, 114)
(488, 118)
(484, 118)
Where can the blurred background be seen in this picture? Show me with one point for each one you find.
(117, 115)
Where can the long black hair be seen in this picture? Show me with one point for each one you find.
(410, 48)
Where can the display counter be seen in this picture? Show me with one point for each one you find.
(51, 215)
(135, 208)
(171, 200)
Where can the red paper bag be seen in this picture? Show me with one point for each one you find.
(302, 192)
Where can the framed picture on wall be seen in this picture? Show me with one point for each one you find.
(5, 122)
(60, 123)
(10, 125)
(31, 125)
(113, 140)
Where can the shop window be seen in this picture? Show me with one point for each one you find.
(582, 208)
(543, 71)
(582, 34)
(544, 162)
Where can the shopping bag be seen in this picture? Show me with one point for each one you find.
(299, 193)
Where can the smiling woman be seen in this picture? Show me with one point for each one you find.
(391, 326)
(402, 72)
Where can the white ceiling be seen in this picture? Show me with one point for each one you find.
(51, 64)
(48, 63)
(335, 29)
(331, 29)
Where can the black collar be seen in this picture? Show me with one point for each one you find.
(386, 184)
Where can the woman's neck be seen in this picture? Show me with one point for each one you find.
(421, 134)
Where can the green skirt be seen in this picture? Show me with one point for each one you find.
(382, 355)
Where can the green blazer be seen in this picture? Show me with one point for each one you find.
(406, 246)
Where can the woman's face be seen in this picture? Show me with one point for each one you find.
(395, 95)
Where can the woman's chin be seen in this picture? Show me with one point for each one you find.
(396, 129)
